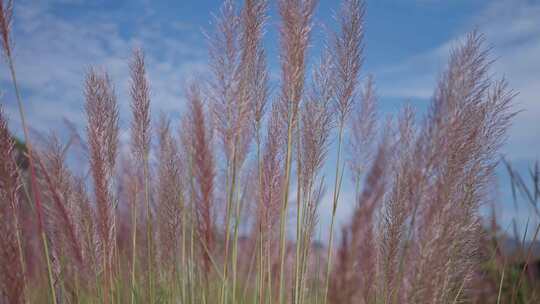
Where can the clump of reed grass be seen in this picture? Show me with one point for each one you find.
(429, 230)
(208, 220)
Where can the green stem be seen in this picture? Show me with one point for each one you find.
(191, 278)
(236, 225)
(149, 235)
(133, 248)
(20, 250)
(299, 210)
(261, 270)
(305, 239)
(184, 265)
(231, 173)
(269, 266)
(49, 267)
(284, 207)
(223, 293)
(334, 207)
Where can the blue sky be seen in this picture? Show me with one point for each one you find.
(407, 43)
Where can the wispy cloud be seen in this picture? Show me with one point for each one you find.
(53, 51)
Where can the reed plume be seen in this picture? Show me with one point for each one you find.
(467, 123)
(254, 71)
(140, 147)
(348, 55)
(170, 200)
(140, 107)
(85, 213)
(362, 132)
(295, 32)
(61, 218)
(203, 172)
(230, 110)
(6, 19)
(102, 132)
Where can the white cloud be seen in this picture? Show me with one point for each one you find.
(53, 52)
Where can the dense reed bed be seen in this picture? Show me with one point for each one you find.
(223, 205)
